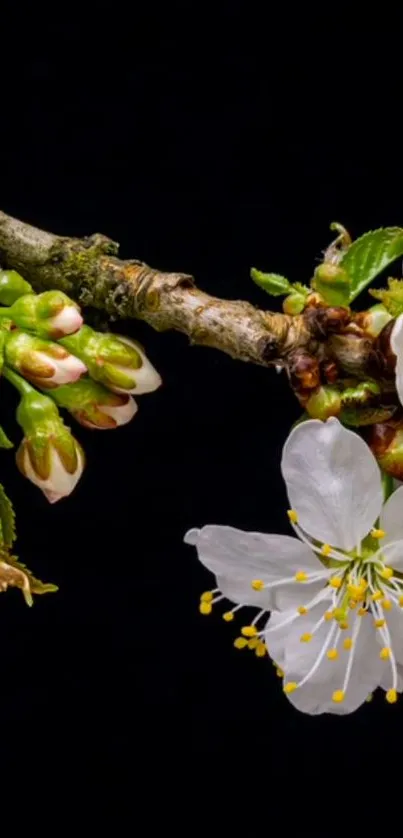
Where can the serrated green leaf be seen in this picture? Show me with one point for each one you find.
(273, 284)
(5, 442)
(391, 297)
(300, 288)
(7, 520)
(369, 255)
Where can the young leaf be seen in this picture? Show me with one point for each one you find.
(5, 442)
(391, 297)
(14, 574)
(371, 254)
(7, 520)
(273, 284)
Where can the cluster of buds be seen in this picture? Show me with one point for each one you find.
(56, 361)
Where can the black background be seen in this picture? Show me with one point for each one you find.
(205, 142)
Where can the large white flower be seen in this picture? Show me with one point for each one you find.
(335, 593)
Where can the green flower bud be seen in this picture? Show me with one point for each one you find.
(49, 455)
(323, 403)
(333, 283)
(42, 362)
(12, 286)
(294, 303)
(386, 443)
(93, 406)
(117, 362)
(50, 315)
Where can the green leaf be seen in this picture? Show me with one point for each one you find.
(273, 284)
(7, 520)
(371, 254)
(391, 297)
(5, 442)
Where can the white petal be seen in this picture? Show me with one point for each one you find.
(283, 634)
(68, 320)
(60, 483)
(391, 519)
(122, 414)
(386, 677)
(396, 343)
(315, 697)
(146, 379)
(394, 622)
(66, 369)
(333, 482)
(244, 556)
(241, 592)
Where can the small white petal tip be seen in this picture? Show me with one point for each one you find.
(191, 537)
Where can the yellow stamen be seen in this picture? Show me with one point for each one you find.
(378, 533)
(391, 696)
(369, 697)
(301, 576)
(206, 597)
(249, 631)
(338, 696)
(401, 601)
(352, 604)
(240, 642)
(205, 608)
(347, 643)
(343, 624)
(386, 604)
(326, 549)
(339, 613)
(257, 584)
(355, 591)
(335, 582)
(379, 624)
(363, 584)
(376, 596)
(387, 572)
(228, 616)
(290, 687)
(293, 516)
(362, 612)
(253, 642)
(328, 615)
(384, 653)
(306, 638)
(279, 672)
(260, 650)
(332, 654)
(302, 610)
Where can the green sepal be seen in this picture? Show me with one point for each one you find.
(12, 286)
(5, 442)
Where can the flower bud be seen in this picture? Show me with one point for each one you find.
(12, 286)
(50, 315)
(117, 362)
(386, 443)
(49, 455)
(333, 283)
(93, 406)
(323, 403)
(294, 303)
(44, 363)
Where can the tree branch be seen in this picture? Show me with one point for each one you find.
(90, 271)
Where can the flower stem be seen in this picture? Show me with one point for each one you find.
(17, 381)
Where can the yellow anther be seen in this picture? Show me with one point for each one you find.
(332, 654)
(384, 653)
(343, 624)
(391, 696)
(290, 687)
(379, 623)
(387, 605)
(302, 610)
(326, 549)
(228, 616)
(306, 638)
(301, 576)
(206, 597)
(363, 584)
(362, 612)
(339, 613)
(328, 615)
(347, 643)
(257, 584)
(369, 697)
(205, 608)
(279, 672)
(387, 572)
(260, 650)
(352, 604)
(338, 696)
(378, 533)
(293, 516)
(401, 601)
(253, 642)
(335, 582)
(376, 596)
(240, 642)
(355, 591)
(249, 631)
